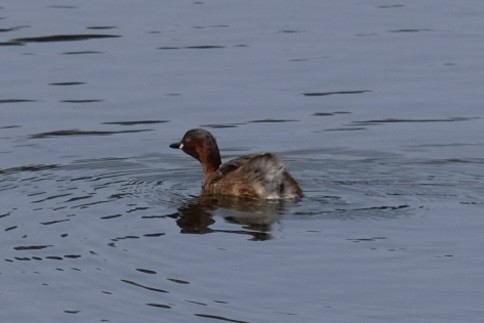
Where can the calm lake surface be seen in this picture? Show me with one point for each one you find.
(376, 107)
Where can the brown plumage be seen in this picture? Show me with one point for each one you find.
(259, 176)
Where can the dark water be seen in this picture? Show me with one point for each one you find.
(375, 107)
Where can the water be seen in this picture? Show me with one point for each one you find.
(375, 107)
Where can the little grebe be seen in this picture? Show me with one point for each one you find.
(259, 176)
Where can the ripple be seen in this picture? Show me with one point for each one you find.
(329, 114)
(72, 311)
(396, 120)
(82, 52)
(345, 129)
(62, 38)
(335, 93)
(146, 271)
(221, 125)
(453, 161)
(219, 318)
(205, 47)
(28, 168)
(272, 121)
(153, 289)
(409, 30)
(82, 101)
(14, 28)
(76, 132)
(153, 235)
(237, 124)
(372, 239)
(158, 305)
(67, 83)
(11, 43)
(3, 101)
(192, 47)
(101, 27)
(54, 222)
(109, 217)
(290, 31)
(38, 247)
(133, 123)
(178, 281)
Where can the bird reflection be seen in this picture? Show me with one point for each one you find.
(255, 217)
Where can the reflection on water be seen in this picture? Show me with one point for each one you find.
(255, 217)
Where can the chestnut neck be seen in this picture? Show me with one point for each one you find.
(209, 157)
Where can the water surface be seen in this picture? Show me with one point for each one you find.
(375, 107)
